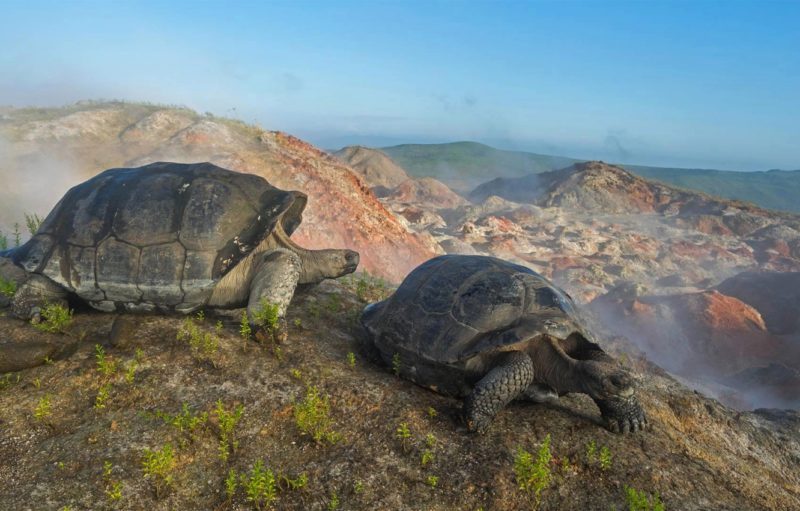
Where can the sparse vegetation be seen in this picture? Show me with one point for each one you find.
(396, 364)
(3, 241)
(8, 379)
(533, 477)
(101, 400)
(333, 503)
(112, 488)
(368, 288)
(591, 452)
(43, 409)
(33, 222)
(244, 327)
(266, 315)
(228, 443)
(17, 235)
(312, 417)
(55, 318)
(641, 501)
(432, 481)
(7, 287)
(204, 344)
(230, 485)
(186, 423)
(351, 360)
(158, 466)
(403, 433)
(105, 365)
(605, 458)
(130, 371)
(259, 486)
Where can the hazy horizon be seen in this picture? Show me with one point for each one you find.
(705, 84)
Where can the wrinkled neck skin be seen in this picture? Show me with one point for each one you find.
(551, 365)
(316, 265)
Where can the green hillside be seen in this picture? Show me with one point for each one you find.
(465, 165)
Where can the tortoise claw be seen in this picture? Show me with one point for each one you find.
(623, 415)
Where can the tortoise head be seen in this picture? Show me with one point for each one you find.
(327, 264)
(605, 379)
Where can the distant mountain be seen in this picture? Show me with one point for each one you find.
(464, 165)
(373, 165)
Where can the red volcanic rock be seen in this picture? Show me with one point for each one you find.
(375, 166)
(428, 192)
(775, 294)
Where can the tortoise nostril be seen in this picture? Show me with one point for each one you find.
(351, 257)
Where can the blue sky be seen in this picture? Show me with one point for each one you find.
(699, 84)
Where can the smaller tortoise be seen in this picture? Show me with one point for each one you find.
(170, 237)
(492, 331)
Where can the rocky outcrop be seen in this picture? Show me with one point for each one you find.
(377, 169)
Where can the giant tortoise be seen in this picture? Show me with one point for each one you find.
(170, 237)
(492, 331)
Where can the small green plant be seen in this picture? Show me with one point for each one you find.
(185, 423)
(203, 344)
(427, 457)
(43, 409)
(432, 481)
(396, 364)
(230, 484)
(158, 466)
(333, 503)
(17, 235)
(266, 315)
(430, 440)
(351, 360)
(533, 477)
(37, 382)
(591, 452)
(101, 400)
(259, 486)
(312, 416)
(8, 379)
(605, 458)
(298, 323)
(55, 318)
(403, 433)
(334, 304)
(641, 501)
(33, 222)
(296, 374)
(7, 287)
(297, 483)
(358, 487)
(227, 423)
(113, 489)
(105, 365)
(244, 327)
(3, 241)
(130, 371)
(432, 412)
(138, 355)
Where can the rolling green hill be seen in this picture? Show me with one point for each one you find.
(465, 165)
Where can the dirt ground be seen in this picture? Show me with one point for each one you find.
(697, 454)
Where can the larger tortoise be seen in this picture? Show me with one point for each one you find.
(170, 237)
(492, 331)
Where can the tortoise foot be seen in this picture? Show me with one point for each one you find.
(623, 415)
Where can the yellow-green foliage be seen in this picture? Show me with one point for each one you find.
(244, 327)
(641, 501)
(591, 452)
(259, 485)
(227, 423)
(403, 433)
(266, 315)
(105, 365)
(7, 380)
(605, 458)
(532, 476)
(297, 483)
(101, 399)
(113, 488)
(55, 318)
(351, 359)
(7, 287)
(158, 466)
(3, 241)
(333, 504)
(33, 222)
(432, 481)
(230, 484)
(368, 288)
(42, 410)
(396, 364)
(203, 344)
(312, 416)
(185, 423)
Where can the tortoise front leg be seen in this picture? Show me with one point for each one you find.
(504, 383)
(34, 294)
(273, 287)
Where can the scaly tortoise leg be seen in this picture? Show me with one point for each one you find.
(504, 383)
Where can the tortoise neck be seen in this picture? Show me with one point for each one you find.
(554, 367)
(313, 268)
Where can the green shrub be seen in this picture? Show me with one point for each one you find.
(227, 423)
(605, 458)
(641, 501)
(333, 503)
(55, 318)
(259, 486)
(185, 423)
(43, 409)
(266, 315)
(158, 466)
(532, 476)
(312, 417)
(113, 489)
(105, 365)
(103, 394)
(432, 481)
(33, 222)
(403, 433)
(244, 327)
(203, 344)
